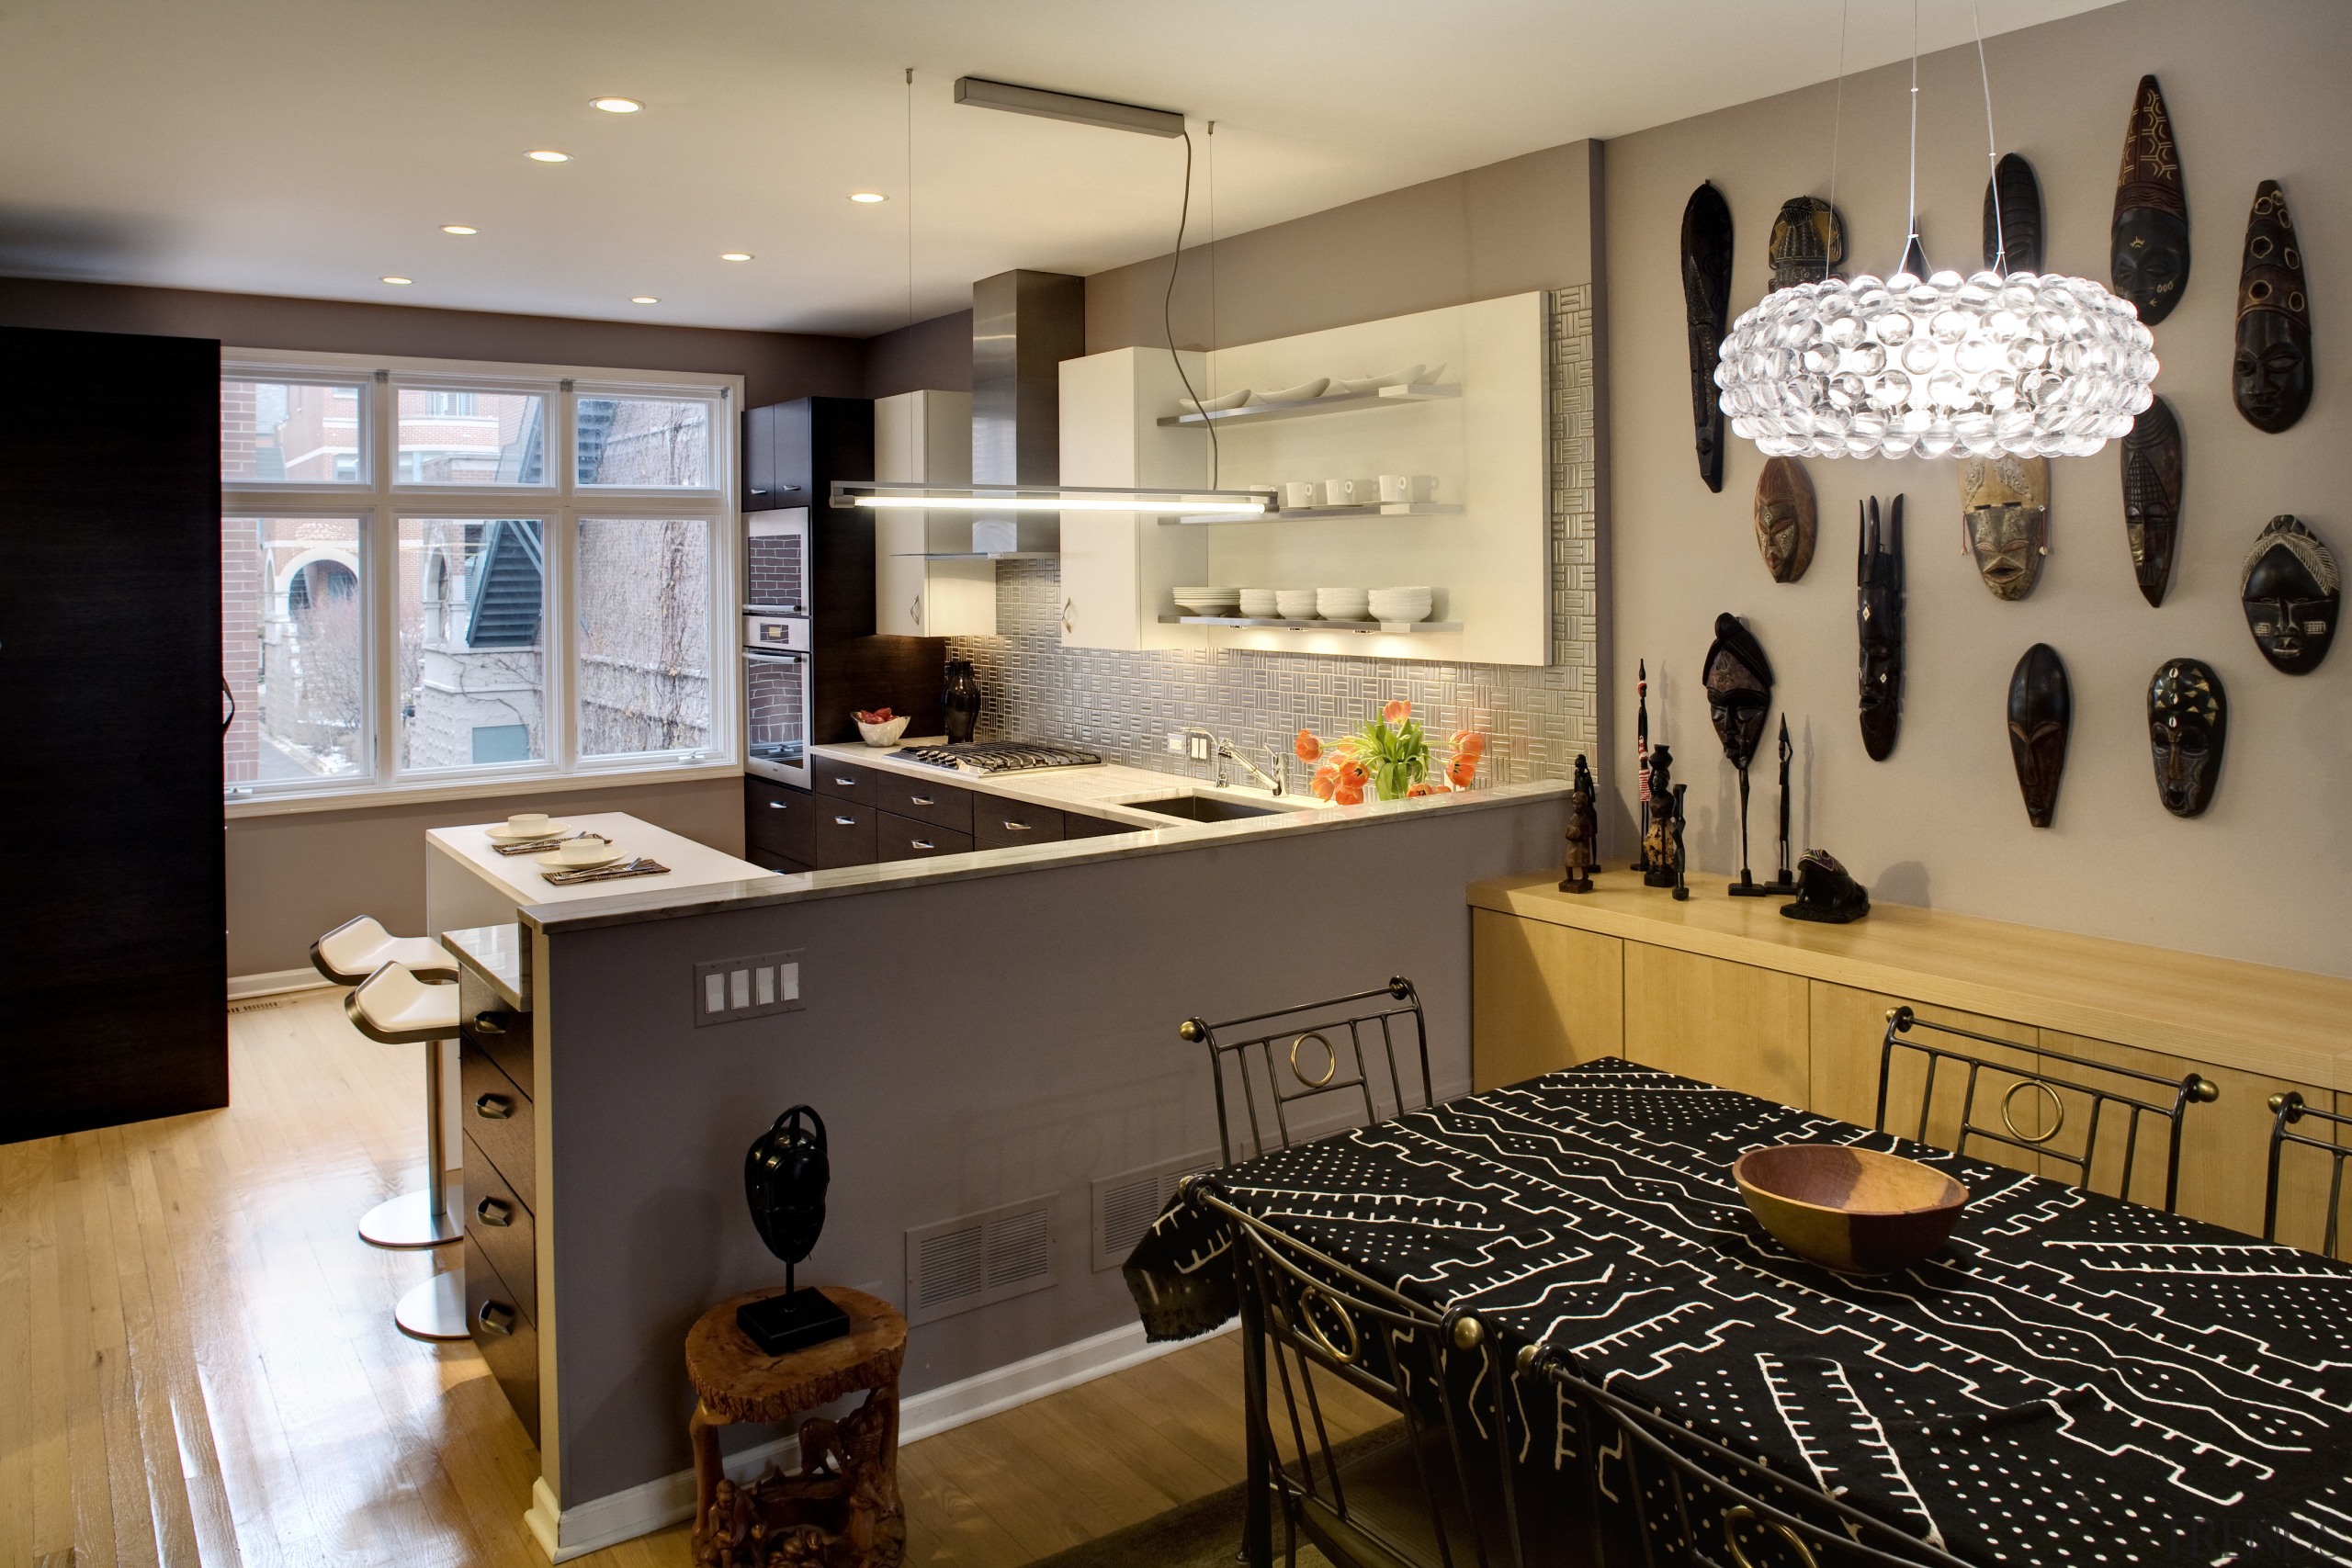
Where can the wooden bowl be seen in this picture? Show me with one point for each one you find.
(1855, 1210)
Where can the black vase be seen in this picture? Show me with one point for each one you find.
(963, 700)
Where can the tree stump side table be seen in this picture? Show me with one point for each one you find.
(841, 1509)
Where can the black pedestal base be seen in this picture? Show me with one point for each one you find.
(791, 1322)
(1748, 888)
(1779, 887)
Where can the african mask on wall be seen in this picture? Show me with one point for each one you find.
(1739, 688)
(2152, 463)
(2041, 715)
(1786, 518)
(1878, 613)
(2013, 216)
(1706, 306)
(2271, 378)
(2148, 240)
(1808, 242)
(2005, 511)
(2291, 591)
(2188, 718)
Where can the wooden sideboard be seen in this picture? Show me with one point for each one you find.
(1727, 990)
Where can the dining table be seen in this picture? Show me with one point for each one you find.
(2069, 1379)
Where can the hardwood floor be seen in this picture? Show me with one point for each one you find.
(198, 1365)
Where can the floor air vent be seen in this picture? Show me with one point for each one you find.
(1124, 1205)
(960, 1264)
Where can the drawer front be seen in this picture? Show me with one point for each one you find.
(844, 833)
(997, 823)
(843, 781)
(902, 838)
(498, 1030)
(780, 820)
(1075, 825)
(498, 1117)
(768, 861)
(941, 805)
(502, 1225)
(506, 1335)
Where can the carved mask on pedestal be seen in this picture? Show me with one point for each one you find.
(2041, 715)
(1785, 518)
(2189, 719)
(2005, 508)
(1878, 614)
(2271, 378)
(1808, 243)
(2152, 464)
(1706, 303)
(2291, 591)
(786, 1173)
(2013, 223)
(1738, 678)
(2148, 240)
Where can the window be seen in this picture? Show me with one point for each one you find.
(418, 593)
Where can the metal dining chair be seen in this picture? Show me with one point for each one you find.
(2286, 1110)
(2060, 1094)
(1349, 1051)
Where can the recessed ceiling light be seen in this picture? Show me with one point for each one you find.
(616, 106)
(459, 229)
(734, 255)
(645, 299)
(546, 155)
(868, 197)
(395, 278)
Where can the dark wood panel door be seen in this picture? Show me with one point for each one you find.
(998, 823)
(780, 820)
(845, 834)
(902, 838)
(109, 730)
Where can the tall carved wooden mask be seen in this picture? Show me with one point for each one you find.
(2042, 717)
(2148, 239)
(2151, 469)
(1878, 616)
(2270, 379)
(1706, 304)
(2013, 216)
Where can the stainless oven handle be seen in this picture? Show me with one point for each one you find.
(760, 656)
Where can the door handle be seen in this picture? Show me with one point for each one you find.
(846, 784)
(921, 800)
(490, 1023)
(493, 1108)
(496, 1318)
(495, 1212)
(845, 821)
(923, 844)
(1013, 826)
(775, 805)
(914, 610)
(1067, 604)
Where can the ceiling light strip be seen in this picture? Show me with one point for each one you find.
(1048, 498)
(981, 93)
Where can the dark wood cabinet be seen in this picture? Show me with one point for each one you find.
(845, 834)
(507, 1337)
(923, 800)
(904, 837)
(780, 820)
(498, 1118)
(999, 824)
(843, 781)
(1076, 825)
(495, 1071)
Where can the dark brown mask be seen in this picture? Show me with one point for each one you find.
(2041, 715)
(2271, 377)
(2151, 467)
(1808, 242)
(2004, 509)
(1706, 303)
(2013, 221)
(1878, 614)
(2291, 592)
(785, 1172)
(1739, 688)
(2148, 239)
(1785, 518)
(2189, 719)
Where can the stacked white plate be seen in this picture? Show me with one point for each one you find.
(1294, 603)
(1258, 603)
(1401, 604)
(1342, 604)
(1207, 601)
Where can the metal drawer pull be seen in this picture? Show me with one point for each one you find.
(775, 805)
(496, 1318)
(921, 800)
(845, 821)
(923, 844)
(488, 1023)
(493, 1108)
(1013, 826)
(495, 1212)
(846, 784)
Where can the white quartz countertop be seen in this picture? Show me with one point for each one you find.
(499, 955)
(521, 877)
(1099, 790)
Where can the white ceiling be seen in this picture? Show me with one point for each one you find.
(306, 147)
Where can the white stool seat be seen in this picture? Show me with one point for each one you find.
(395, 1005)
(357, 948)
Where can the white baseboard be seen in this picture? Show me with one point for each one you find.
(244, 987)
(565, 1533)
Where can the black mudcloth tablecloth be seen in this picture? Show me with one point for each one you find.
(2073, 1379)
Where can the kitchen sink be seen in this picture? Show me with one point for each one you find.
(1207, 809)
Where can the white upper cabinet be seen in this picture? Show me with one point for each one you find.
(925, 437)
(1111, 437)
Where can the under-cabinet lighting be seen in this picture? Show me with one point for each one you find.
(394, 277)
(459, 229)
(616, 106)
(645, 299)
(867, 197)
(1048, 498)
(548, 155)
(734, 255)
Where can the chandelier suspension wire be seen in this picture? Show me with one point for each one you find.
(1837, 125)
(911, 196)
(1992, 146)
(1911, 224)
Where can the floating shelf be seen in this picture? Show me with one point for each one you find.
(1319, 514)
(975, 555)
(1265, 414)
(1362, 628)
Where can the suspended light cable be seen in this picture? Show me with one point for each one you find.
(911, 196)
(1168, 308)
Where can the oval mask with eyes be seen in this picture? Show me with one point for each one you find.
(2189, 719)
(2291, 591)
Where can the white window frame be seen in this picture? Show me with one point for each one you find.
(381, 504)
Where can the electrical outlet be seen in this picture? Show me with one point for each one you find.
(727, 990)
(1176, 742)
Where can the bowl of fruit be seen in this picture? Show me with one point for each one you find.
(881, 728)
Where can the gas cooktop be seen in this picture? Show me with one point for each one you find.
(1000, 756)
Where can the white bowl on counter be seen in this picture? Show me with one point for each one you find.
(884, 733)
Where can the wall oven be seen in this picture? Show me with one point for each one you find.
(776, 696)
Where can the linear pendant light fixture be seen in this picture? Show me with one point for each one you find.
(981, 93)
(1049, 498)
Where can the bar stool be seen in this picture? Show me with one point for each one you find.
(348, 955)
(395, 1006)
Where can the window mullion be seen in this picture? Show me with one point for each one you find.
(383, 532)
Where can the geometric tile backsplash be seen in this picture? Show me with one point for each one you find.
(1124, 704)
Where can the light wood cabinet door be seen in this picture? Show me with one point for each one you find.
(1542, 997)
(1727, 1023)
(1848, 1030)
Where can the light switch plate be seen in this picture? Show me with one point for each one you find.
(728, 989)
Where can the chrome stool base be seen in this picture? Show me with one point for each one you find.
(412, 1220)
(434, 1310)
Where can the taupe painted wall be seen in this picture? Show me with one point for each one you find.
(935, 354)
(2255, 90)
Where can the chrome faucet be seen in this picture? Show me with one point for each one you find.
(1276, 782)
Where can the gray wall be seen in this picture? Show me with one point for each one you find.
(935, 354)
(2255, 90)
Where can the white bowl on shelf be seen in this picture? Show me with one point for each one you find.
(1402, 606)
(884, 733)
(1298, 394)
(1294, 603)
(1214, 405)
(1355, 386)
(1258, 603)
(1342, 604)
(1206, 601)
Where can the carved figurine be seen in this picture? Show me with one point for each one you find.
(1808, 243)
(1681, 857)
(1878, 575)
(786, 1173)
(2148, 239)
(2152, 465)
(1786, 518)
(1826, 892)
(2189, 721)
(1738, 678)
(2005, 517)
(2013, 216)
(1706, 304)
(2271, 378)
(841, 1509)
(1783, 883)
(1658, 866)
(2041, 715)
(1642, 762)
(2291, 592)
(1584, 833)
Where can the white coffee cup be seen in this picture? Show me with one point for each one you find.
(525, 823)
(1405, 488)
(1345, 492)
(1298, 495)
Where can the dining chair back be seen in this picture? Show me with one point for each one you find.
(2288, 1111)
(1368, 1053)
(2098, 1099)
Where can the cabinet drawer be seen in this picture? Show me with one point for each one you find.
(941, 805)
(502, 1225)
(767, 859)
(845, 834)
(902, 838)
(780, 820)
(506, 1335)
(997, 823)
(843, 781)
(498, 1117)
(504, 1034)
(1076, 825)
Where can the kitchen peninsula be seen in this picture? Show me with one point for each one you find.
(991, 1037)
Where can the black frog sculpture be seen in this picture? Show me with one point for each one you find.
(786, 1173)
(1706, 305)
(1827, 892)
(2042, 718)
(2148, 238)
(2013, 218)
(2270, 379)
(2188, 723)
(2292, 593)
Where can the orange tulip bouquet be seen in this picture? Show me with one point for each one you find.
(1391, 755)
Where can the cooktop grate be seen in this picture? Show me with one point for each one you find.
(1000, 756)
